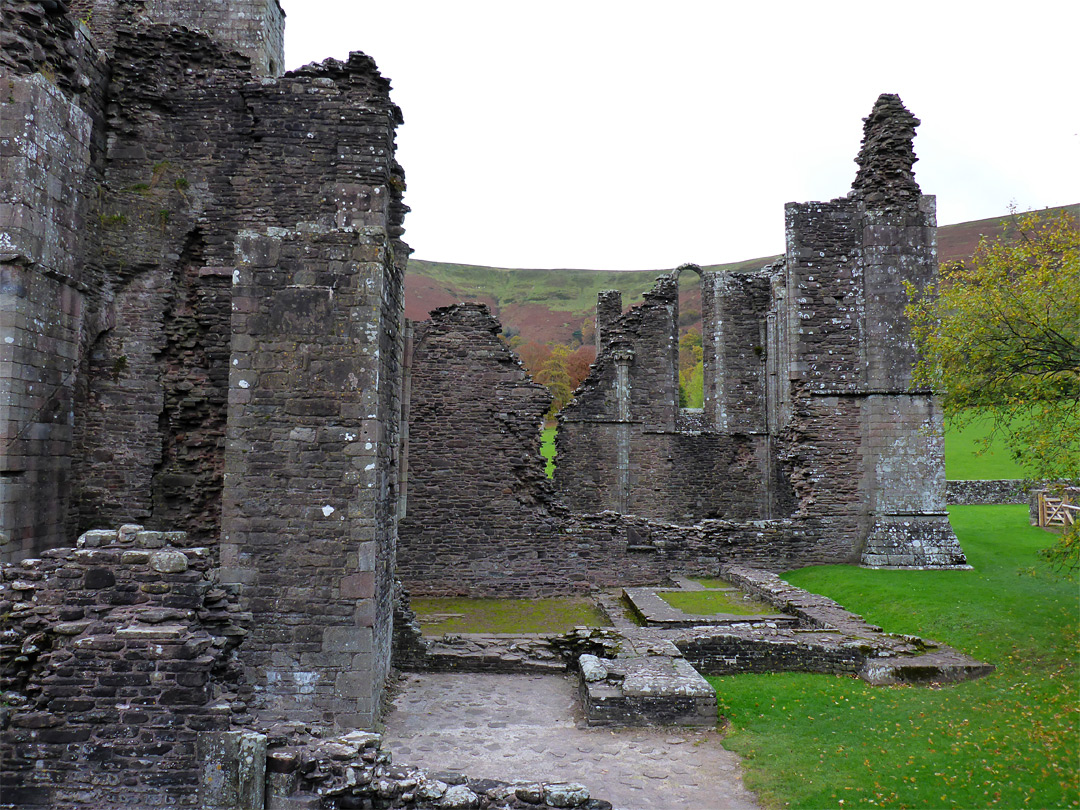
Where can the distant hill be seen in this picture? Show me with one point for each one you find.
(550, 305)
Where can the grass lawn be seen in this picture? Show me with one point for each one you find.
(962, 463)
(438, 615)
(707, 603)
(547, 449)
(1009, 740)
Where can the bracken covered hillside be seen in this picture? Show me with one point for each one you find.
(550, 305)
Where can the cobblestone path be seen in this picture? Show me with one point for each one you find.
(528, 727)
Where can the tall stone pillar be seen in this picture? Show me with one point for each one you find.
(872, 444)
(44, 157)
(309, 512)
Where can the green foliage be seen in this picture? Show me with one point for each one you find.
(1001, 340)
(691, 370)
(707, 603)
(438, 615)
(1000, 337)
(547, 449)
(1009, 740)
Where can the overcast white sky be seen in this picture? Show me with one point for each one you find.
(624, 135)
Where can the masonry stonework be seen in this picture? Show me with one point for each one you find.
(202, 342)
(812, 446)
(202, 293)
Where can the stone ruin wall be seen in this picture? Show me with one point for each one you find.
(474, 440)
(812, 446)
(170, 217)
(625, 445)
(254, 28)
(200, 305)
(51, 146)
(482, 518)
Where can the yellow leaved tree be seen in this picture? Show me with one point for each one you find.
(1000, 338)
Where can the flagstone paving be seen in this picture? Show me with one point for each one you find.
(530, 727)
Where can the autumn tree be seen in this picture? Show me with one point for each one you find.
(578, 364)
(555, 377)
(691, 372)
(1000, 339)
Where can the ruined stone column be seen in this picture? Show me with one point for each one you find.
(623, 357)
(871, 465)
(608, 310)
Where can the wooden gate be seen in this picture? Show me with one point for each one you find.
(1059, 507)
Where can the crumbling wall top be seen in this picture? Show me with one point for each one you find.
(885, 176)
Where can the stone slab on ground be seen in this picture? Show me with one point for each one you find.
(529, 727)
(655, 612)
(649, 683)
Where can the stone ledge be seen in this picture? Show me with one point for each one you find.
(655, 612)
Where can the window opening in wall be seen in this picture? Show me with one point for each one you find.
(691, 368)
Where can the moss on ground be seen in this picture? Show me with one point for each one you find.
(708, 603)
(438, 615)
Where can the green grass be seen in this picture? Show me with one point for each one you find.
(547, 449)
(708, 603)
(961, 459)
(506, 615)
(1009, 740)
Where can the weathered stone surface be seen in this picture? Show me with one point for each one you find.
(106, 652)
(812, 446)
(169, 562)
(203, 260)
(567, 794)
(459, 797)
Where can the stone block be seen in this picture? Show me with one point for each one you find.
(355, 685)
(358, 586)
(169, 562)
(348, 639)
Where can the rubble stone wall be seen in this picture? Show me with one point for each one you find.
(45, 154)
(114, 657)
(479, 502)
(236, 222)
(51, 108)
(810, 425)
(988, 492)
(150, 409)
(734, 329)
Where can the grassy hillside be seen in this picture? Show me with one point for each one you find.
(549, 305)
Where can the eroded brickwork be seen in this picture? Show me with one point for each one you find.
(254, 28)
(474, 465)
(193, 218)
(115, 656)
(812, 446)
